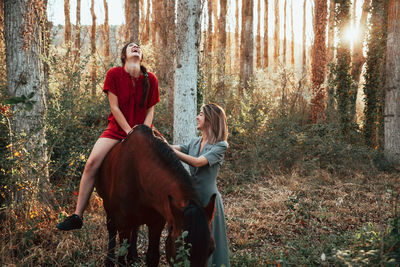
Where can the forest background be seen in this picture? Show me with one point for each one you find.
(311, 176)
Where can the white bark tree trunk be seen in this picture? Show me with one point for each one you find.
(25, 42)
(187, 40)
(392, 99)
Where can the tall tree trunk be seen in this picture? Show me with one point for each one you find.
(78, 32)
(330, 107)
(67, 28)
(375, 75)
(216, 24)
(106, 33)
(128, 15)
(3, 71)
(25, 25)
(358, 58)
(141, 16)
(146, 32)
(277, 40)
(228, 54)
(185, 77)
(133, 20)
(209, 46)
(284, 33)
(246, 43)
(93, 74)
(343, 77)
(164, 26)
(258, 39)
(222, 47)
(331, 30)
(304, 53)
(237, 39)
(169, 29)
(392, 98)
(318, 61)
(292, 34)
(266, 34)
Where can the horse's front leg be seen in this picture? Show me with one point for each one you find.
(153, 251)
(112, 233)
(132, 252)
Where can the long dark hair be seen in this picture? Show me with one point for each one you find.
(146, 83)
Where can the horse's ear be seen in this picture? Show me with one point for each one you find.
(210, 208)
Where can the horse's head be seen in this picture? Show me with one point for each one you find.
(197, 222)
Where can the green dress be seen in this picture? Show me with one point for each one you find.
(205, 182)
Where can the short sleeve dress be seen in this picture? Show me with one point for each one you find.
(205, 181)
(129, 94)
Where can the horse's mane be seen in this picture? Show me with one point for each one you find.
(169, 158)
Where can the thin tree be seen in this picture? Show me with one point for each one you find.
(276, 35)
(330, 106)
(392, 103)
(209, 46)
(228, 53)
(93, 73)
(222, 46)
(292, 34)
(237, 39)
(78, 32)
(141, 15)
(133, 20)
(127, 19)
(284, 32)
(343, 58)
(258, 38)
(216, 24)
(358, 58)
(146, 33)
(331, 31)
(187, 39)
(106, 28)
(375, 75)
(304, 52)
(266, 41)
(318, 61)
(67, 28)
(25, 24)
(246, 45)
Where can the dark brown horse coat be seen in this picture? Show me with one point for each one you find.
(142, 181)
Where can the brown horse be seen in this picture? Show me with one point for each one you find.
(141, 181)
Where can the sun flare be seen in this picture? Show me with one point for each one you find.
(352, 34)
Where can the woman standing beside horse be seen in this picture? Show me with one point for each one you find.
(205, 155)
(132, 93)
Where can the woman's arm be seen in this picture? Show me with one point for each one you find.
(149, 116)
(193, 161)
(119, 117)
(175, 147)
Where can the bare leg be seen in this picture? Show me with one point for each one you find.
(99, 151)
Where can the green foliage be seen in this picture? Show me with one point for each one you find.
(371, 246)
(375, 76)
(342, 79)
(182, 252)
(26, 100)
(74, 119)
(123, 249)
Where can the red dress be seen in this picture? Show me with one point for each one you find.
(119, 82)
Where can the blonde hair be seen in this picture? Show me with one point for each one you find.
(215, 123)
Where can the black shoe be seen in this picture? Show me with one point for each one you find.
(70, 223)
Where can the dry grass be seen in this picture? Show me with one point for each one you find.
(264, 218)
